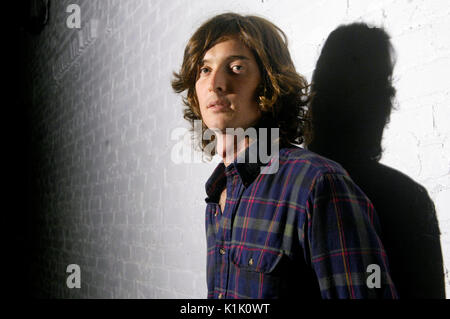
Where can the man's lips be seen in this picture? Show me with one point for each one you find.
(219, 105)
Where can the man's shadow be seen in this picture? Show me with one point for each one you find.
(350, 106)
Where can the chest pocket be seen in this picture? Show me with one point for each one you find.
(259, 271)
(256, 259)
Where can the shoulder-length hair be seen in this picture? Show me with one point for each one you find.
(282, 96)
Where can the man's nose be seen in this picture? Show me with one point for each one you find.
(218, 81)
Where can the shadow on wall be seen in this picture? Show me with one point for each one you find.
(351, 104)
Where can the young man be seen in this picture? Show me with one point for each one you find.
(302, 230)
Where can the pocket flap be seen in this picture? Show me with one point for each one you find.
(255, 259)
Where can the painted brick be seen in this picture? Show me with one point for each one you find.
(110, 197)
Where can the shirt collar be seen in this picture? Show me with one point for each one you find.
(247, 166)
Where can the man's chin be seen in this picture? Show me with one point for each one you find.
(219, 127)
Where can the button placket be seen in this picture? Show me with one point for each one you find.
(234, 189)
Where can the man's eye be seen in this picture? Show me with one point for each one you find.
(204, 70)
(237, 68)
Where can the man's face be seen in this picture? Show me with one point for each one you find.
(226, 86)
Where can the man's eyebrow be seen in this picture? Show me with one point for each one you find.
(230, 58)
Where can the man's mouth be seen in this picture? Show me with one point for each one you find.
(219, 105)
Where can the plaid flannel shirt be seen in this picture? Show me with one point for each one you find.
(306, 231)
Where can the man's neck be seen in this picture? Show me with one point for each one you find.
(228, 146)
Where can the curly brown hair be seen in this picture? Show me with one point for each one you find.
(283, 93)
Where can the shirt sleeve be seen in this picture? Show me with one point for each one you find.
(342, 244)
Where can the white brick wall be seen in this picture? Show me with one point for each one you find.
(111, 200)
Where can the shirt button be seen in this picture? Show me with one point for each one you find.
(250, 261)
(220, 296)
(222, 251)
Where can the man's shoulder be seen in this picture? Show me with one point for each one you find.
(300, 158)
